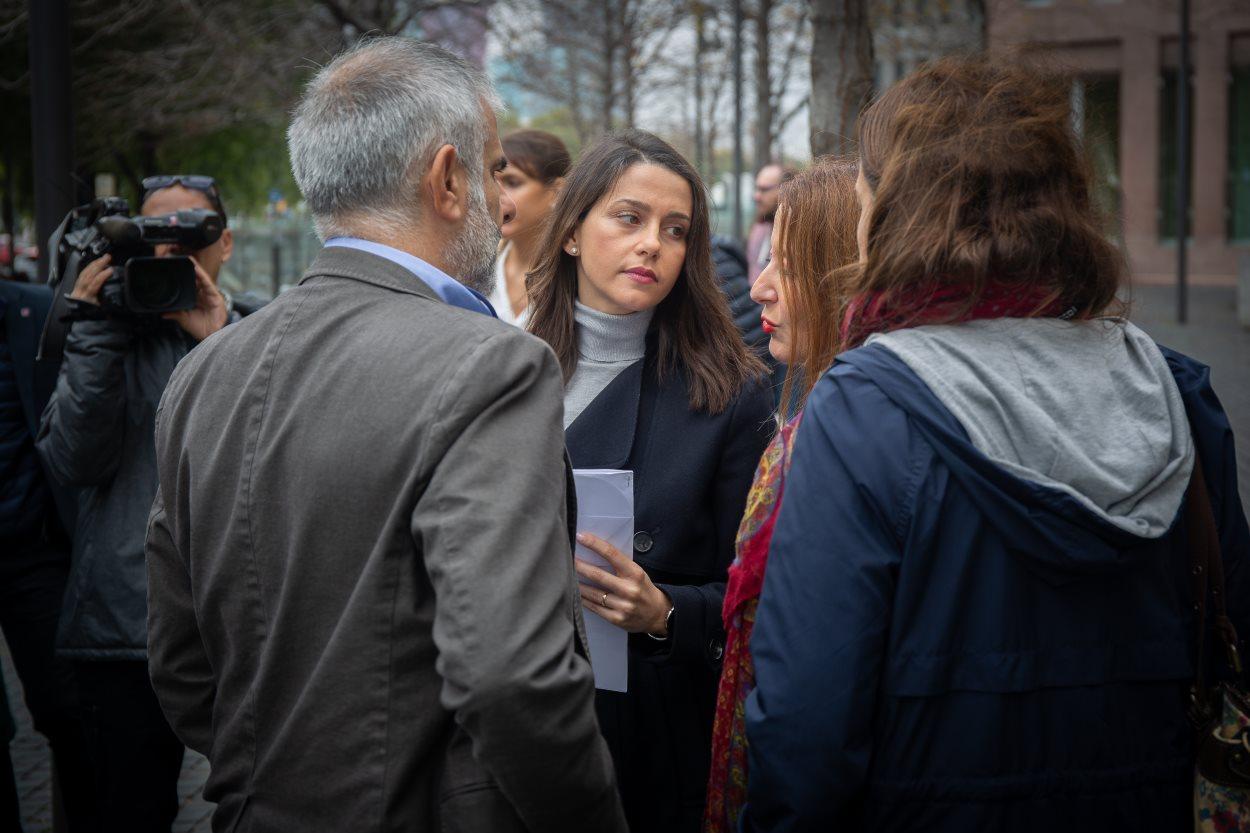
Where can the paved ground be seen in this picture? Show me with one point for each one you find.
(1212, 336)
(33, 771)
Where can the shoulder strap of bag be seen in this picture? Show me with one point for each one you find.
(1206, 573)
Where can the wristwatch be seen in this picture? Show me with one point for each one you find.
(668, 627)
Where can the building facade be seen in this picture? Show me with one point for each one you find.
(1125, 54)
(908, 33)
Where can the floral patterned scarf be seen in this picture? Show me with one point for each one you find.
(727, 783)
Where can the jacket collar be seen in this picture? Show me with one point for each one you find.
(603, 434)
(341, 262)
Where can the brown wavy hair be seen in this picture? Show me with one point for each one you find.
(977, 177)
(691, 325)
(817, 214)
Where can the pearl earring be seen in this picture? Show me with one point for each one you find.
(573, 251)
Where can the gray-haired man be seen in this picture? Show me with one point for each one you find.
(362, 604)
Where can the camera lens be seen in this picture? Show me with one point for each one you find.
(160, 284)
(154, 291)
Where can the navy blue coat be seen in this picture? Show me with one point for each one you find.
(692, 471)
(25, 310)
(941, 646)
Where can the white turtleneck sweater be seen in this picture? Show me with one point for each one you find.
(606, 345)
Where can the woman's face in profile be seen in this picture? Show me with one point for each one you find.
(769, 292)
(631, 247)
(533, 200)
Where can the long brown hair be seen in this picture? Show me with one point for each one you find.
(817, 214)
(692, 323)
(978, 178)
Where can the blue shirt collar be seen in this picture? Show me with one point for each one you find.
(446, 287)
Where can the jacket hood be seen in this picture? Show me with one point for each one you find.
(1074, 434)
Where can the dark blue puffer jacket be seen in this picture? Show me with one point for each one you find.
(944, 645)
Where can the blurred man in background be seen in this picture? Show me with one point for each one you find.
(767, 182)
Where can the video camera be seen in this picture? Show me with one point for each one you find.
(142, 285)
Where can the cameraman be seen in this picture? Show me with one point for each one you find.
(97, 434)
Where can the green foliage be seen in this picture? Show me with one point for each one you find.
(560, 122)
(247, 160)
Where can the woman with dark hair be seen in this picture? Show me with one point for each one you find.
(659, 382)
(537, 163)
(976, 614)
(813, 234)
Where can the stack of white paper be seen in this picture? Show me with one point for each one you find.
(605, 507)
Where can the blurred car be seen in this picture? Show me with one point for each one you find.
(18, 261)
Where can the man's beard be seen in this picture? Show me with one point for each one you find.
(471, 256)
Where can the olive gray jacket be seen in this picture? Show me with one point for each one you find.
(362, 605)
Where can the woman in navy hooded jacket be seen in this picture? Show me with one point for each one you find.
(976, 613)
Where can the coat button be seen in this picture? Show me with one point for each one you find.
(715, 650)
(642, 542)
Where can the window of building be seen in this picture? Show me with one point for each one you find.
(1238, 208)
(1169, 116)
(1096, 119)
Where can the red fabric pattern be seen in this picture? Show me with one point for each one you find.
(944, 304)
(727, 780)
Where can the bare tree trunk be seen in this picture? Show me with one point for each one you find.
(700, 45)
(629, 55)
(763, 86)
(573, 80)
(981, 10)
(608, 67)
(841, 72)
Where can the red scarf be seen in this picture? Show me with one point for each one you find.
(879, 312)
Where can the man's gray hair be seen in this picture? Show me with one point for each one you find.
(370, 122)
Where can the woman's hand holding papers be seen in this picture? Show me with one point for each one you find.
(633, 602)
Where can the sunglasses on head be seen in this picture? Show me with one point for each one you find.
(206, 185)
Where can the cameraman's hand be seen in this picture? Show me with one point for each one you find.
(91, 278)
(209, 314)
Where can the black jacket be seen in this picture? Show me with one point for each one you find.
(25, 308)
(97, 435)
(731, 272)
(692, 471)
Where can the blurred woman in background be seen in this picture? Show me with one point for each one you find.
(537, 163)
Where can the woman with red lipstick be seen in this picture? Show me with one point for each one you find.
(979, 611)
(813, 235)
(658, 381)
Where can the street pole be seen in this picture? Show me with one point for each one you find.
(737, 182)
(52, 131)
(1182, 169)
